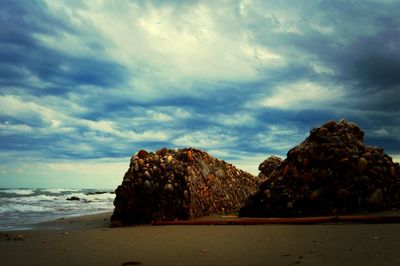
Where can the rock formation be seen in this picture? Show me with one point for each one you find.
(331, 172)
(179, 184)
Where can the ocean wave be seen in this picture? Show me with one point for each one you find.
(97, 197)
(59, 190)
(59, 199)
(23, 207)
(31, 199)
(18, 191)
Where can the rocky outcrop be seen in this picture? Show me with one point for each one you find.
(179, 184)
(268, 166)
(331, 172)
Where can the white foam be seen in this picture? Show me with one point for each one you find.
(59, 190)
(22, 207)
(32, 199)
(99, 197)
(18, 191)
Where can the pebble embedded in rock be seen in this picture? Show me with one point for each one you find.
(169, 187)
(142, 154)
(169, 158)
(267, 193)
(316, 194)
(362, 165)
(186, 195)
(376, 200)
(343, 194)
(189, 155)
(392, 171)
(141, 162)
(147, 174)
(147, 186)
(323, 131)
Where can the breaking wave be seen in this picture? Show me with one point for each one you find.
(21, 208)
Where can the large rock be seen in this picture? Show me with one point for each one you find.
(179, 184)
(331, 172)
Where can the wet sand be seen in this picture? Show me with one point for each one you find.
(89, 240)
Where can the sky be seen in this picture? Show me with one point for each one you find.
(86, 84)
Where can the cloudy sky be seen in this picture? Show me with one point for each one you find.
(85, 84)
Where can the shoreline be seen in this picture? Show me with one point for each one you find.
(102, 220)
(89, 240)
(77, 223)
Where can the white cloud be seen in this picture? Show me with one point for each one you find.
(27, 110)
(205, 139)
(322, 28)
(391, 132)
(382, 132)
(57, 122)
(159, 116)
(279, 129)
(167, 44)
(10, 129)
(273, 142)
(103, 126)
(67, 43)
(180, 113)
(110, 127)
(278, 137)
(12, 105)
(236, 119)
(244, 6)
(299, 95)
(321, 68)
(148, 135)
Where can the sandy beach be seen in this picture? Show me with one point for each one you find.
(88, 240)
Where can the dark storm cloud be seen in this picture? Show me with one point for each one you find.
(24, 58)
(359, 43)
(360, 46)
(242, 79)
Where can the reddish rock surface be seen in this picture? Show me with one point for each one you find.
(179, 184)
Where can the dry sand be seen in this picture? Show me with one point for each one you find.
(88, 240)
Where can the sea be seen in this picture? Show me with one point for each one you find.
(22, 209)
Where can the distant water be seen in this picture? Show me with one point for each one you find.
(22, 208)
